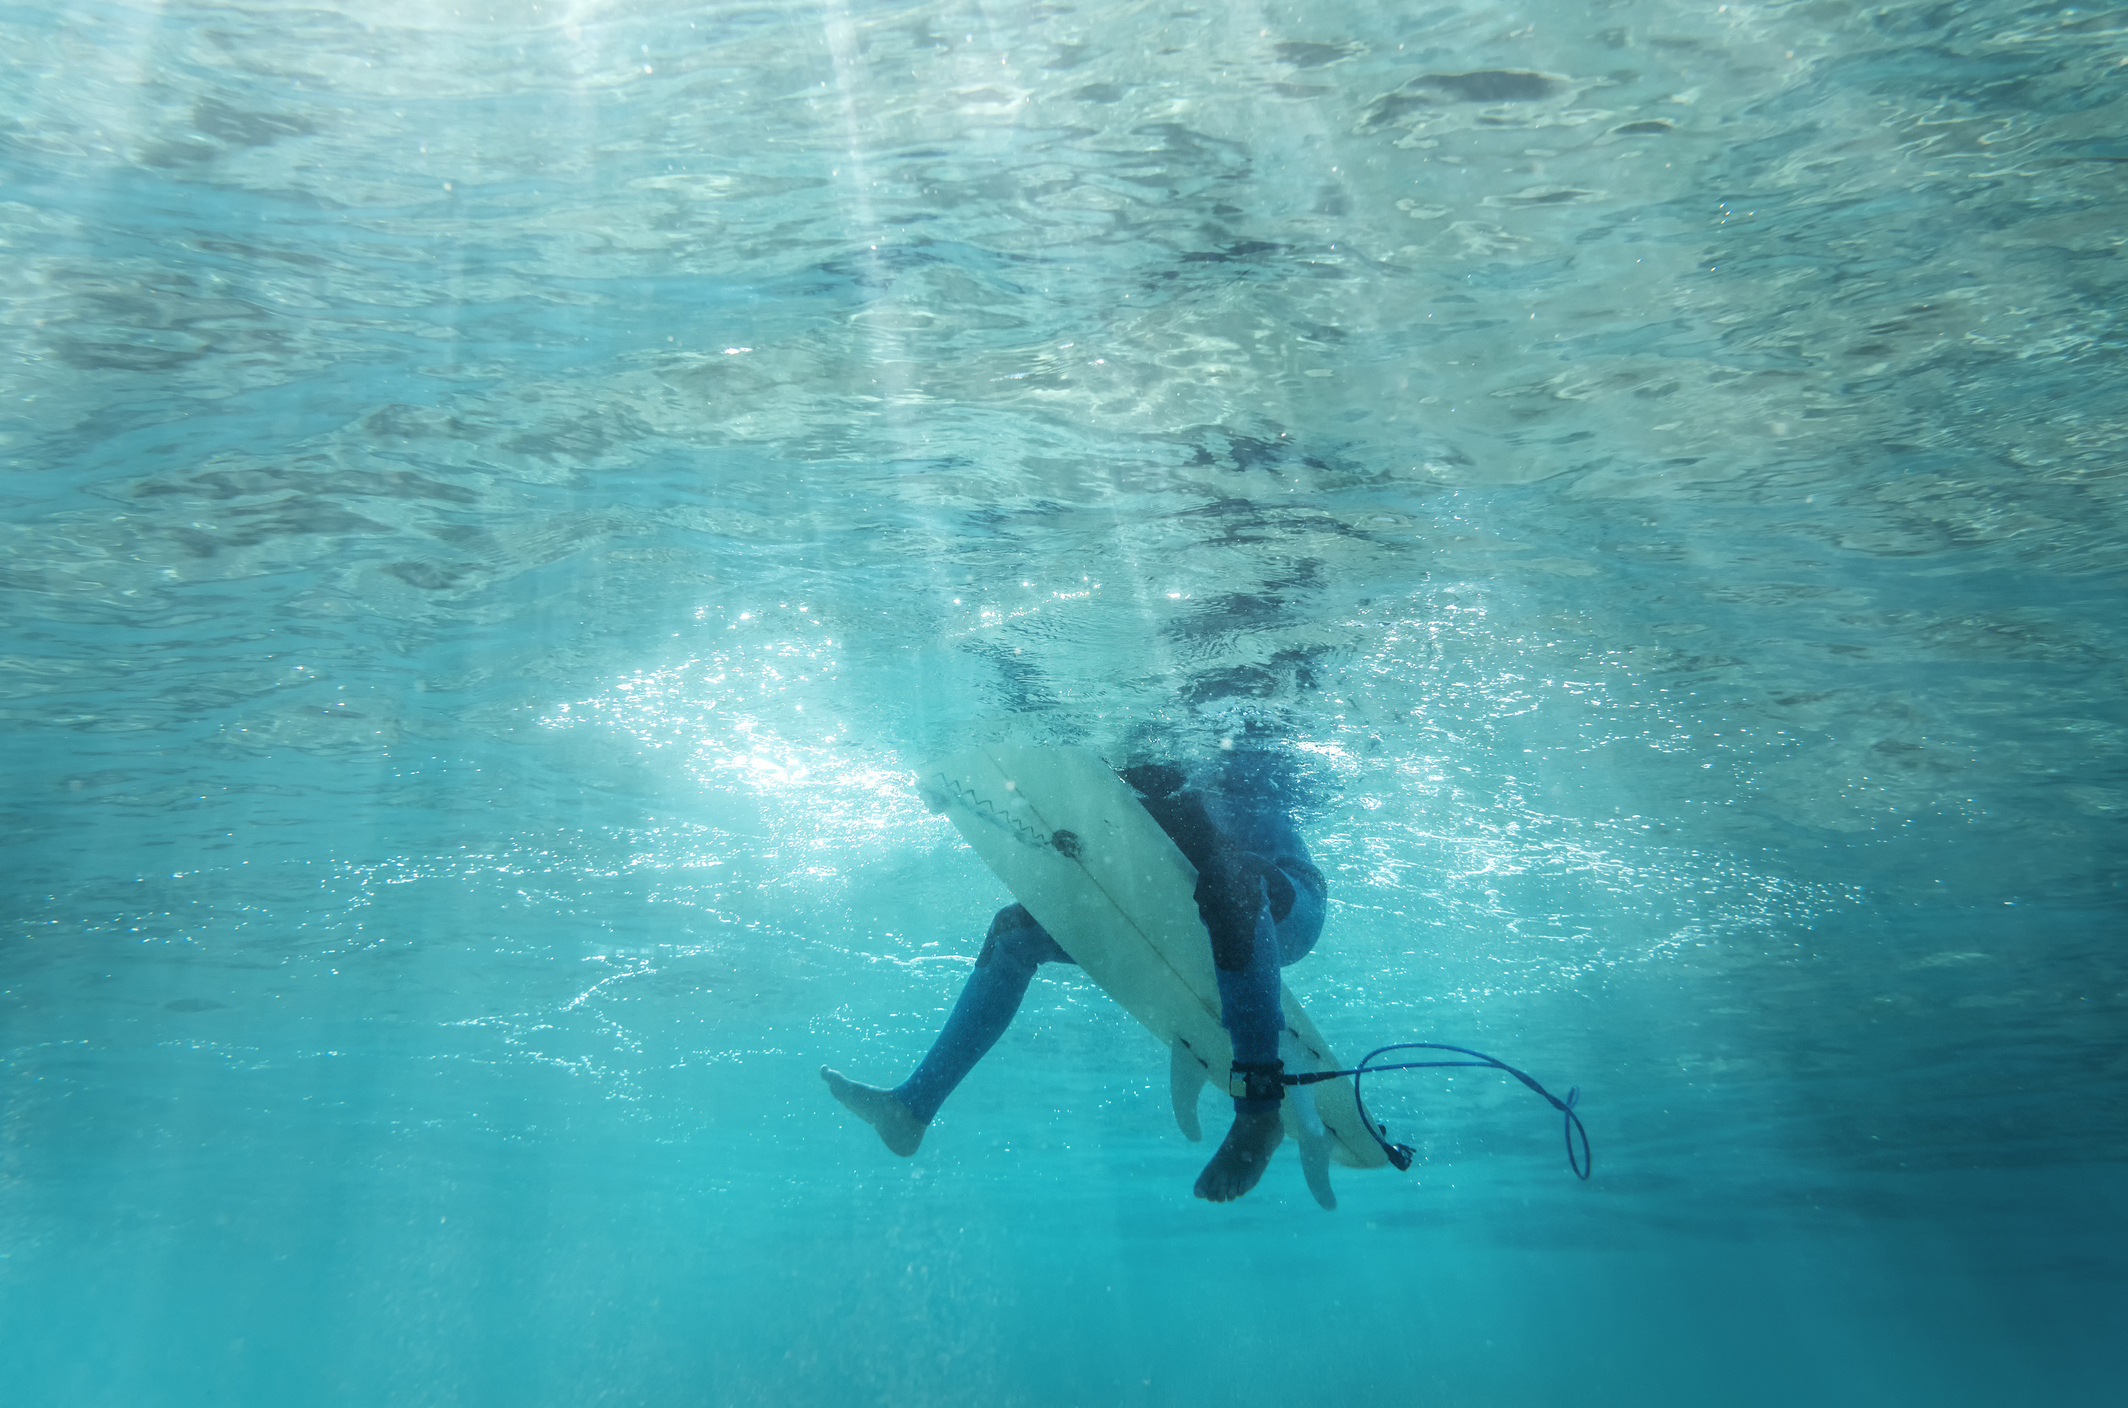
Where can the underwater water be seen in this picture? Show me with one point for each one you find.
(499, 501)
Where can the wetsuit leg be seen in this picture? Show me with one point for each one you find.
(1248, 996)
(1229, 890)
(1014, 948)
(1248, 999)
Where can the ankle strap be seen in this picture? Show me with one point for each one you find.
(1257, 1080)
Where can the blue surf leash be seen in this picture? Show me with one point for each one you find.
(1577, 1158)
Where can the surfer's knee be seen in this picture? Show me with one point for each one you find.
(1154, 780)
(1015, 935)
(1008, 932)
(1012, 916)
(1300, 926)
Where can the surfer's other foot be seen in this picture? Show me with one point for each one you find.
(1242, 1157)
(900, 1130)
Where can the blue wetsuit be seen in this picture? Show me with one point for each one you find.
(1261, 899)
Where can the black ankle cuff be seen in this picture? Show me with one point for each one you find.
(1256, 1084)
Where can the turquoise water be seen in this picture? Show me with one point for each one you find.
(500, 500)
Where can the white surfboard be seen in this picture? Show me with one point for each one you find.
(1075, 846)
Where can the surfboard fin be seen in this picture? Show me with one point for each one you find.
(1186, 1075)
(1305, 1119)
(1315, 1167)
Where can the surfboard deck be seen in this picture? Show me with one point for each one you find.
(1072, 842)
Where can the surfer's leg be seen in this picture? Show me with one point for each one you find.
(1249, 1007)
(1248, 996)
(1014, 948)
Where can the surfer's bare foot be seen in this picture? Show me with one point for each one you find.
(1242, 1157)
(900, 1130)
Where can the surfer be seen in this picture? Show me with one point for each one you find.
(1262, 902)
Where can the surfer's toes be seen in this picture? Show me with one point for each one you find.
(1242, 1157)
(898, 1129)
